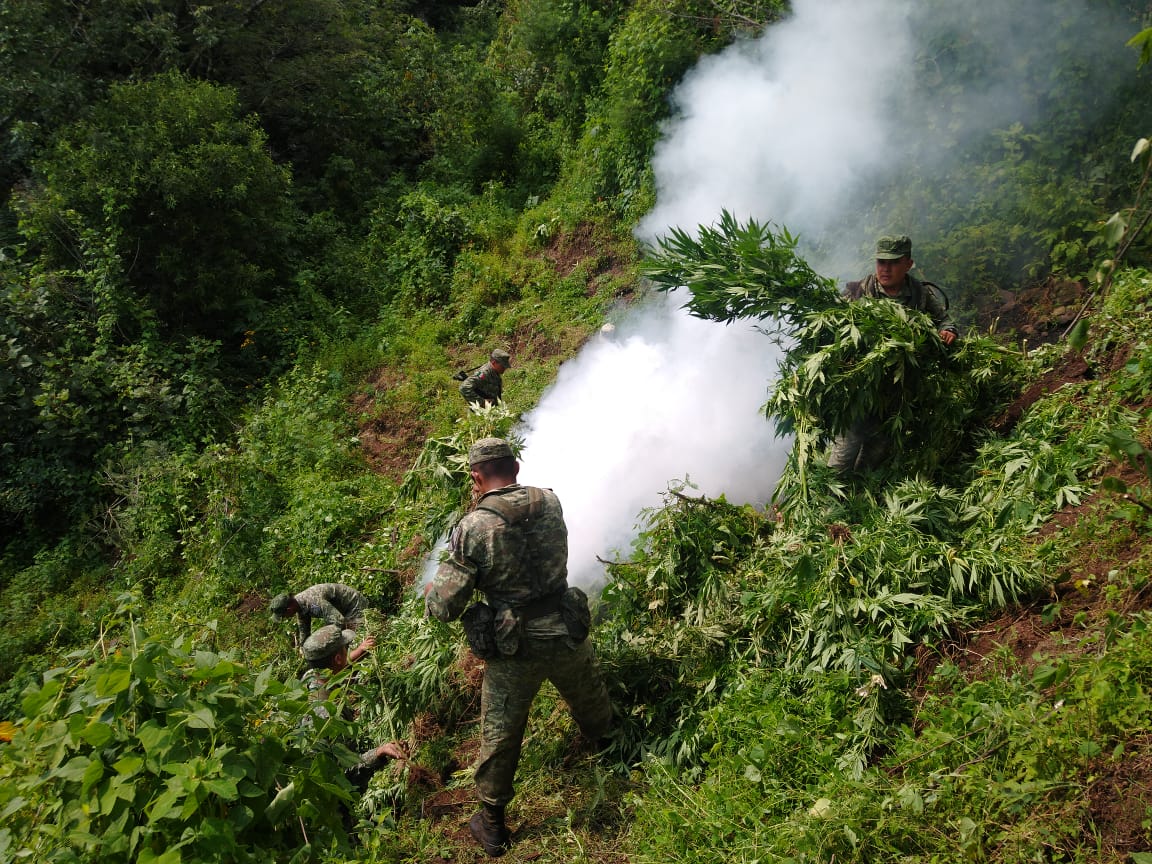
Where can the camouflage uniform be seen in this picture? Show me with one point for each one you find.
(483, 385)
(337, 604)
(323, 643)
(864, 445)
(914, 295)
(514, 565)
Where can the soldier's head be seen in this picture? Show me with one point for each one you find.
(283, 606)
(492, 464)
(327, 648)
(893, 260)
(501, 360)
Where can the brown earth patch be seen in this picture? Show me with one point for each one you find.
(389, 439)
(1038, 314)
(1070, 369)
(449, 802)
(251, 603)
(567, 250)
(1121, 796)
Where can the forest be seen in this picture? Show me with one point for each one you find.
(245, 247)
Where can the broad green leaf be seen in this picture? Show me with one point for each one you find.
(154, 738)
(280, 803)
(169, 856)
(73, 769)
(166, 806)
(128, 765)
(1078, 338)
(1114, 229)
(93, 774)
(201, 718)
(97, 733)
(109, 682)
(34, 701)
(262, 681)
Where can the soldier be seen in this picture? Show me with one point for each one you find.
(893, 280)
(326, 653)
(485, 386)
(514, 548)
(863, 446)
(336, 603)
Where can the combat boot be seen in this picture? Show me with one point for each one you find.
(487, 826)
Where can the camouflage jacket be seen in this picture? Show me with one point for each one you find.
(483, 385)
(914, 295)
(332, 601)
(512, 564)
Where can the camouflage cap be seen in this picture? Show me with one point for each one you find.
(279, 606)
(892, 247)
(502, 357)
(325, 642)
(487, 449)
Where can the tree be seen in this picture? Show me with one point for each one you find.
(200, 214)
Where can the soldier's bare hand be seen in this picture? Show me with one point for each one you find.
(363, 648)
(391, 750)
(947, 337)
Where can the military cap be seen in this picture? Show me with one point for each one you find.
(325, 642)
(893, 247)
(487, 449)
(279, 606)
(502, 357)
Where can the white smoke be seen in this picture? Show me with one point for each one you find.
(663, 397)
(788, 127)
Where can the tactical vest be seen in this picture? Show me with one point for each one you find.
(521, 518)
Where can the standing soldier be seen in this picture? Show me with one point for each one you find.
(864, 446)
(336, 603)
(513, 547)
(485, 386)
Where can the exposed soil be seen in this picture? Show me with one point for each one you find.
(251, 603)
(390, 440)
(569, 250)
(1038, 314)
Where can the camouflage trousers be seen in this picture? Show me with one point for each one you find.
(510, 685)
(862, 447)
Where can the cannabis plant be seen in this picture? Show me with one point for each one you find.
(843, 361)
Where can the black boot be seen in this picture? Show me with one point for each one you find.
(488, 828)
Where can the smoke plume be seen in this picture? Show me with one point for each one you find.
(810, 126)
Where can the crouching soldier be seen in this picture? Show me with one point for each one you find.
(326, 653)
(335, 603)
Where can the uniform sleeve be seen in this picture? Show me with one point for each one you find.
(934, 306)
(331, 615)
(454, 582)
(468, 389)
(303, 625)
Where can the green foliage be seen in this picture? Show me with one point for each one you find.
(182, 186)
(654, 44)
(1124, 445)
(996, 767)
(163, 749)
(75, 393)
(735, 270)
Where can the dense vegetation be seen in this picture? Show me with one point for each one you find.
(245, 246)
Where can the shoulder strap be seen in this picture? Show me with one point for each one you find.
(932, 286)
(513, 514)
